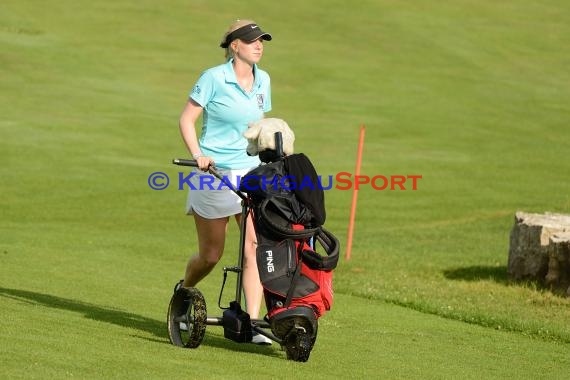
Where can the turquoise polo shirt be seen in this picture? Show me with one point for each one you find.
(227, 111)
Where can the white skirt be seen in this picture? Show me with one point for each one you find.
(212, 199)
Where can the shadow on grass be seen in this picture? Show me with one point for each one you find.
(90, 311)
(500, 276)
(124, 319)
(478, 273)
(226, 344)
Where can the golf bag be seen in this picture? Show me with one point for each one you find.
(288, 215)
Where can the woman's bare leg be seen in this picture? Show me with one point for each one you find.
(251, 283)
(211, 240)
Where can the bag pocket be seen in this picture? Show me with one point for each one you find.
(276, 264)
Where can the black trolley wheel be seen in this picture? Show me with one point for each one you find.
(299, 343)
(187, 306)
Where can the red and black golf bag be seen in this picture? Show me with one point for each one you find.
(288, 213)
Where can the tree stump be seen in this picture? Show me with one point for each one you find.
(558, 276)
(540, 250)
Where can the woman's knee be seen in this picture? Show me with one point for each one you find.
(210, 257)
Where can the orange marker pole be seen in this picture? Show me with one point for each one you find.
(354, 194)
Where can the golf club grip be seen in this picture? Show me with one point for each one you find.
(184, 162)
(279, 144)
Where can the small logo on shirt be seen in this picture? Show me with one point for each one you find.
(196, 90)
(260, 101)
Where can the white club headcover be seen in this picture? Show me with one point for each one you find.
(261, 136)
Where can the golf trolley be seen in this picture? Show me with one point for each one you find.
(297, 281)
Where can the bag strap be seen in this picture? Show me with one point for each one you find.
(331, 245)
(280, 231)
(293, 285)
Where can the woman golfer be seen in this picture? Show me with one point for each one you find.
(229, 96)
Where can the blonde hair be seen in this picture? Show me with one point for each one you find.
(229, 53)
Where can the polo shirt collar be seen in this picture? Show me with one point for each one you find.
(230, 74)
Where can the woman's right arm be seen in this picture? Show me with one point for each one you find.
(188, 119)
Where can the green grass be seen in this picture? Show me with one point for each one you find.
(475, 97)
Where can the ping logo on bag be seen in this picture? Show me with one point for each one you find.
(269, 260)
(276, 263)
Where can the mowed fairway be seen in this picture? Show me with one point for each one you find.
(472, 96)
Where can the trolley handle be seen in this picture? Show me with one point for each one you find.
(184, 162)
(194, 164)
(211, 170)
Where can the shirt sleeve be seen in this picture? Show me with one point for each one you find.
(203, 90)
